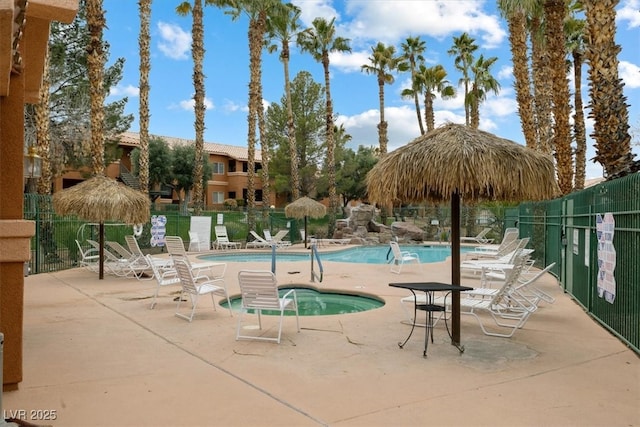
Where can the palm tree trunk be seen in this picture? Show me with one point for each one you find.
(518, 42)
(264, 143)
(382, 126)
(541, 88)
(42, 131)
(95, 64)
(199, 109)
(291, 130)
(609, 109)
(555, 13)
(145, 66)
(331, 162)
(578, 122)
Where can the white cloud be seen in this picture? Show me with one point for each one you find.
(349, 62)
(393, 21)
(127, 90)
(231, 107)
(189, 104)
(175, 42)
(505, 72)
(630, 11)
(630, 74)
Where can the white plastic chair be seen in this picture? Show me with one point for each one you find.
(259, 290)
(196, 243)
(479, 238)
(194, 289)
(164, 277)
(222, 239)
(401, 257)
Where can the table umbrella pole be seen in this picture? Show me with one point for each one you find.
(101, 252)
(455, 268)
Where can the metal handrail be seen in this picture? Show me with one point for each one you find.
(315, 254)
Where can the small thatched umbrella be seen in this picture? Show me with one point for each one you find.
(456, 161)
(305, 207)
(100, 199)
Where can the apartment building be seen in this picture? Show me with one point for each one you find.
(228, 180)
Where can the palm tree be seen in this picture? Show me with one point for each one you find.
(609, 109)
(145, 67)
(515, 11)
(574, 33)
(412, 50)
(482, 82)
(197, 52)
(283, 26)
(43, 140)
(95, 64)
(555, 12)
(258, 13)
(382, 62)
(433, 81)
(542, 90)
(319, 41)
(463, 48)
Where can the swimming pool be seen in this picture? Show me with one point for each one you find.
(378, 254)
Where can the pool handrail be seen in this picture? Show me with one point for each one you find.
(315, 254)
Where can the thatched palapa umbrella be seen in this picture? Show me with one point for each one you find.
(101, 199)
(305, 207)
(456, 161)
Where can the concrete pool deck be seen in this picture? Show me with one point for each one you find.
(96, 355)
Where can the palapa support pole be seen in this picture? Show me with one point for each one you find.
(455, 268)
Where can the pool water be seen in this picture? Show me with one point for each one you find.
(358, 254)
(312, 302)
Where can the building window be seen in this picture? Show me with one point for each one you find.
(218, 168)
(232, 165)
(232, 195)
(217, 197)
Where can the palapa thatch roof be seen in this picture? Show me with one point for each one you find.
(101, 199)
(476, 164)
(454, 162)
(304, 207)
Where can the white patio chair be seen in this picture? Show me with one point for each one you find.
(195, 288)
(259, 290)
(504, 307)
(175, 247)
(196, 243)
(89, 258)
(222, 239)
(258, 241)
(164, 277)
(479, 238)
(277, 239)
(401, 257)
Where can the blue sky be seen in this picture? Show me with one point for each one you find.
(354, 93)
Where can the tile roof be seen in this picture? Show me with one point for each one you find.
(132, 139)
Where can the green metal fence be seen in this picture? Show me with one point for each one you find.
(561, 231)
(564, 231)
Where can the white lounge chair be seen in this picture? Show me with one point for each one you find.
(277, 239)
(259, 290)
(222, 239)
(504, 307)
(510, 235)
(402, 257)
(258, 241)
(479, 238)
(194, 288)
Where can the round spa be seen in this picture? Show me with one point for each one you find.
(313, 302)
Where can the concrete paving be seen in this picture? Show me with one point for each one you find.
(95, 354)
